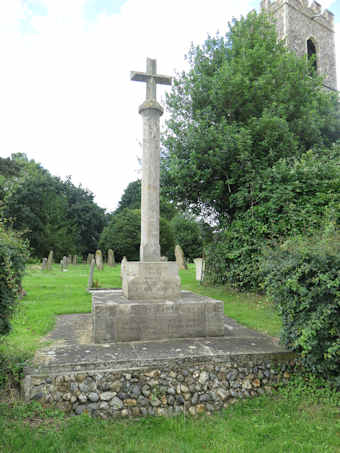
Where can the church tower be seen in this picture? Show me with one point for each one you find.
(307, 30)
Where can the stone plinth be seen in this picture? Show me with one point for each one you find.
(117, 319)
(151, 280)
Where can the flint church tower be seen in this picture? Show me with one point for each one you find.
(307, 30)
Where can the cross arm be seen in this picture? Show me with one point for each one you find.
(144, 77)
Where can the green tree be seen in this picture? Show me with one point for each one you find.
(187, 233)
(131, 199)
(84, 217)
(245, 103)
(122, 234)
(52, 214)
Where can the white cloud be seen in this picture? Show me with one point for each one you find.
(66, 97)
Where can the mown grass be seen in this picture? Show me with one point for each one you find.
(250, 309)
(302, 417)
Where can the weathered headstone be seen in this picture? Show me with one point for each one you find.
(44, 264)
(180, 257)
(69, 259)
(199, 266)
(62, 265)
(75, 260)
(89, 258)
(65, 262)
(110, 258)
(164, 258)
(123, 266)
(90, 281)
(99, 260)
(50, 260)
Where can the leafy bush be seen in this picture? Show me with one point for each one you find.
(13, 255)
(294, 197)
(233, 257)
(302, 277)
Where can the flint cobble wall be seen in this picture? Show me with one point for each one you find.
(160, 391)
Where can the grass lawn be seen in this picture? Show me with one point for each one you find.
(301, 417)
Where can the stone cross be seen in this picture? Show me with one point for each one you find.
(151, 111)
(151, 78)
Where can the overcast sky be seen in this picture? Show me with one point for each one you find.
(66, 99)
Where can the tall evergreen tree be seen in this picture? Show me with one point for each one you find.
(245, 102)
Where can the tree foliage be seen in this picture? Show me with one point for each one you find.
(243, 121)
(245, 103)
(296, 196)
(187, 233)
(13, 256)
(131, 199)
(52, 214)
(122, 235)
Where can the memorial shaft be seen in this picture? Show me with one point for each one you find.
(149, 247)
(151, 112)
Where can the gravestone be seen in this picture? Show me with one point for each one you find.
(151, 305)
(122, 266)
(44, 264)
(69, 259)
(99, 260)
(90, 281)
(110, 258)
(75, 260)
(199, 266)
(65, 262)
(179, 254)
(50, 260)
(61, 265)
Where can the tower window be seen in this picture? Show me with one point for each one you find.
(311, 52)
